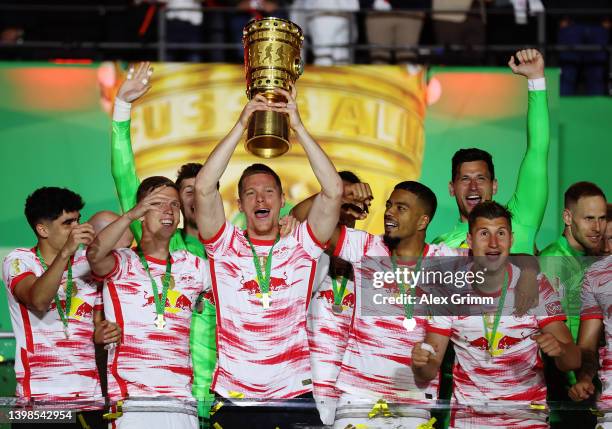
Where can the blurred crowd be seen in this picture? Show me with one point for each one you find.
(337, 31)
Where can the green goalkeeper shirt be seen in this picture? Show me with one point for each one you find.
(528, 202)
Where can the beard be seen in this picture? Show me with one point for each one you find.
(391, 242)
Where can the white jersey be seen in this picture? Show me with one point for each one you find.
(48, 365)
(377, 361)
(596, 300)
(513, 371)
(152, 362)
(262, 352)
(328, 331)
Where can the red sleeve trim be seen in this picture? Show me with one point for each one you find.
(591, 316)
(214, 237)
(341, 240)
(312, 236)
(445, 332)
(560, 318)
(99, 307)
(19, 278)
(111, 273)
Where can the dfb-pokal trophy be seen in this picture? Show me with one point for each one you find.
(272, 59)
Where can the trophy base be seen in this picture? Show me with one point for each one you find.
(267, 146)
(268, 134)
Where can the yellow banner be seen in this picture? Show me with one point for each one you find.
(368, 119)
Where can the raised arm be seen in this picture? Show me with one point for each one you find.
(528, 202)
(38, 292)
(356, 199)
(210, 215)
(99, 253)
(123, 167)
(325, 210)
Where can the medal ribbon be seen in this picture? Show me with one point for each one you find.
(408, 306)
(500, 307)
(160, 303)
(339, 294)
(63, 312)
(263, 281)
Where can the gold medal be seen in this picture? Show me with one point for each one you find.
(337, 308)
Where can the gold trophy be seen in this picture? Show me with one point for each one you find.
(272, 48)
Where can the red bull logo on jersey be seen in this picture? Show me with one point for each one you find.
(175, 301)
(252, 287)
(79, 309)
(348, 301)
(501, 343)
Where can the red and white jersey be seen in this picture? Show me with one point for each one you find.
(596, 299)
(328, 331)
(48, 365)
(262, 352)
(152, 362)
(377, 361)
(514, 372)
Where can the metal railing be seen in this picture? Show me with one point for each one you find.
(155, 45)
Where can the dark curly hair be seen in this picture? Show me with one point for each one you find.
(49, 203)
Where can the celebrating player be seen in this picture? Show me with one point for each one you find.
(52, 300)
(596, 319)
(331, 310)
(150, 293)
(375, 364)
(262, 283)
(497, 354)
(473, 175)
(564, 263)
(203, 348)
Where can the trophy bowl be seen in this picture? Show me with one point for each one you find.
(272, 59)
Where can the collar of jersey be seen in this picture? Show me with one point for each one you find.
(564, 244)
(154, 260)
(259, 242)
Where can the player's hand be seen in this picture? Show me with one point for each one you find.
(289, 107)
(153, 201)
(107, 332)
(549, 344)
(526, 295)
(137, 83)
(257, 103)
(420, 356)
(287, 224)
(80, 234)
(530, 63)
(581, 390)
(356, 199)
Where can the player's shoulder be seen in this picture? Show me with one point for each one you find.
(26, 255)
(126, 252)
(80, 257)
(600, 272)
(183, 256)
(551, 250)
(442, 249)
(352, 234)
